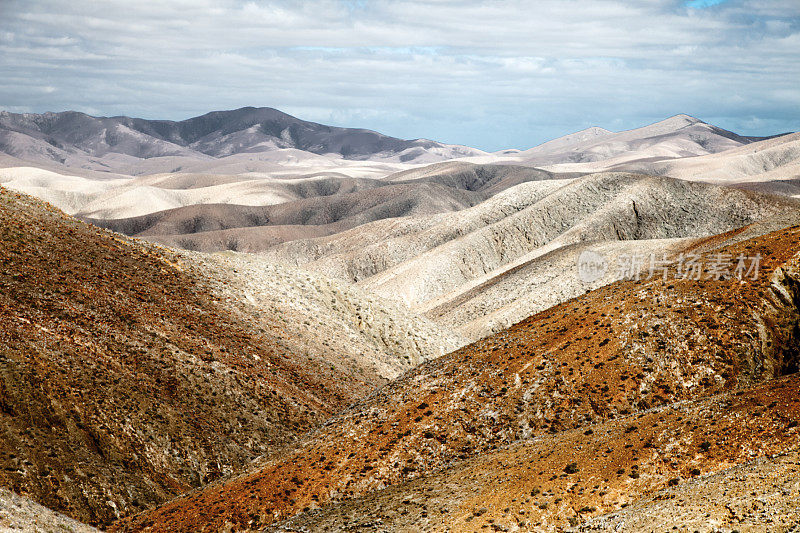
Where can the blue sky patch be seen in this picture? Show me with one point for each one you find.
(702, 4)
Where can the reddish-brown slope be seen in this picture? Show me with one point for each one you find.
(626, 347)
(552, 482)
(123, 382)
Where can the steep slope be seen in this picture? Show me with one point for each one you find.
(128, 374)
(622, 349)
(334, 320)
(757, 496)
(553, 482)
(537, 281)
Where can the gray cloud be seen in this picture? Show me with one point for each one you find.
(488, 74)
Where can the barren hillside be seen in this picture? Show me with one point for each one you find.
(617, 363)
(595, 149)
(772, 165)
(132, 373)
(425, 262)
(327, 206)
(676, 459)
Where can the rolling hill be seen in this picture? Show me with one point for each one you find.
(592, 404)
(341, 204)
(114, 143)
(771, 166)
(480, 270)
(132, 373)
(595, 149)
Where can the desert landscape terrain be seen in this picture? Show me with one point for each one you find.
(246, 321)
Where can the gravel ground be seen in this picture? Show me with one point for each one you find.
(18, 513)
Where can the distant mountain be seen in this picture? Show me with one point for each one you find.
(596, 149)
(263, 139)
(77, 139)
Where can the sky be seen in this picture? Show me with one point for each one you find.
(493, 74)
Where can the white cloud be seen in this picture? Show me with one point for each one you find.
(491, 74)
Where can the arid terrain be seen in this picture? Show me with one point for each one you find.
(629, 362)
(249, 322)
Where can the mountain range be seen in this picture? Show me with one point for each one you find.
(109, 143)
(249, 322)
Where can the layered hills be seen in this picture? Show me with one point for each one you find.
(568, 414)
(116, 143)
(482, 269)
(249, 322)
(772, 165)
(260, 158)
(131, 373)
(213, 227)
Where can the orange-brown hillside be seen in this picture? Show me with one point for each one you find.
(123, 382)
(551, 482)
(612, 353)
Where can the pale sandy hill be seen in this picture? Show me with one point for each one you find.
(596, 150)
(67, 192)
(769, 165)
(123, 197)
(144, 196)
(331, 317)
(287, 208)
(535, 282)
(549, 275)
(597, 207)
(566, 141)
(362, 252)
(350, 209)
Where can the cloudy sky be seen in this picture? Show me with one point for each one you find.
(486, 74)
